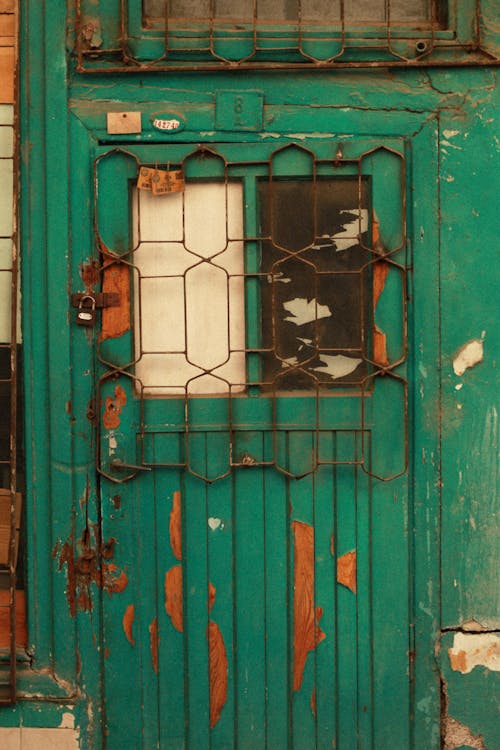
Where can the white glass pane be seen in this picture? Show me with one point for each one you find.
(189, 293)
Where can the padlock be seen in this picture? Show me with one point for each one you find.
(85, 315)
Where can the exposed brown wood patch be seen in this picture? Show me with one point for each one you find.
(154, 642)
(380, 271)
(127, 622)
(113, 408)
(218, 672)
(346, 570)
(21, 633)
(115, 278)
(173, 597)
(306, 631)
(7, 6)
(176, 526)
(458, 661)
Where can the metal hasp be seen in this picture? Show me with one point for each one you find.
(89, 302)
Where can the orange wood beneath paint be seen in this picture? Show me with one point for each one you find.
(306, 632)
(218, 672)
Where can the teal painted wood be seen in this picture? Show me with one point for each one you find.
(370, 520)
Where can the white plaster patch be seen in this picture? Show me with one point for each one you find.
(459, 386)
(469, 355)
(352, 229)
(450, 133)
(451, 145)
(475, 650)
(112, 444)
(337, 365)
(305, 311)
(49, 739)
(214, 523)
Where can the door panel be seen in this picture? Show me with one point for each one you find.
(259, 529)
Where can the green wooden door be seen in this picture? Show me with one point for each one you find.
(255, 413)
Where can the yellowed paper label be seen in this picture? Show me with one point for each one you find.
(165, 181)
(144, 180)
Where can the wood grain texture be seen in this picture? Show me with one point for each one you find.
(127, 622)
(380, 271)
(21, 631)
(176, 526)
(7, 67)
(306, 631)
(154, 640)
(173, 597)
(218, 672)
(346, 570)
(115, 278)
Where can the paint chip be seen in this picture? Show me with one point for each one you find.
(214, 523)
(337, 365)
(469, 355)
(305, 311)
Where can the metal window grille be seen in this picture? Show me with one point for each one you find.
(209, 35)
(292, 267)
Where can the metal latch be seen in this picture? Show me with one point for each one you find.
(88, 302)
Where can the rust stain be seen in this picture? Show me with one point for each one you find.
(306, 631)
(211, 596)
(218, 672)
(153, 642)
(106, 652)
(66, 557)
(313, 702)
(85, 570)
(127, 622)
(112, 580)
(346, 570)
(90, 274)
(116, 278)
(332, 544)
(175, 526)
(173, 597)
(113, 408)
(380, 271)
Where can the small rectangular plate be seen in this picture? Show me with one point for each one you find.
(120, 123)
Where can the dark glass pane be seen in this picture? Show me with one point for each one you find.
(316, 302)
(288, 10)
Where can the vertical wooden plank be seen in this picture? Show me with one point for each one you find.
(278, 605)
(326, 586)
(196, 610)
(307, 626)
(220, 530)
(346, 543)
(170, 522)
(250, 602)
